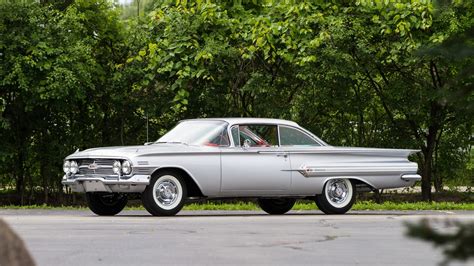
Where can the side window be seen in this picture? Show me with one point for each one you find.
(259, 135)
(293, 137)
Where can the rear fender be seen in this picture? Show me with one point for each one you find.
(363, 180)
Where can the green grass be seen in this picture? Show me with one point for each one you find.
(302, 205)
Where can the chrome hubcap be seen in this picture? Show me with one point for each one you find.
(167, 192)
(337, 190)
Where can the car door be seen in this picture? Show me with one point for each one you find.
(255, 165)
(303, 149)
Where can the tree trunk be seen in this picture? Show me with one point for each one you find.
(378, 195)
(44, 165)
(437, 178)
(426, 179)
(427, 165)
(20, 178)
(31, 191)
(44, 176)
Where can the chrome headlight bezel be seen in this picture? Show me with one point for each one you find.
(67, 167)
(74, 167)
(117, 167)
(126, 167)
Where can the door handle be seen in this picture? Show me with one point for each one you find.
(282, 154)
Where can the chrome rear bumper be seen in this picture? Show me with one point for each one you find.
(94, 183)
(411, 177)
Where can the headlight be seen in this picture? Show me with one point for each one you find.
(67, 167)
(126, 167)
(117, 166)
(74, 168)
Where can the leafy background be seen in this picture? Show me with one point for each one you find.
(80, 74)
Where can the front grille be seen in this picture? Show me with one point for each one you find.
(102, 166)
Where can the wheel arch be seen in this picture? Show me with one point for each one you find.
(361, 183)
(194, 190)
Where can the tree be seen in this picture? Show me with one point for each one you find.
(379, 46)
(41, 65)
(57, 72)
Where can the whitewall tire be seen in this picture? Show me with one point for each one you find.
(338, 196)
(166, 194)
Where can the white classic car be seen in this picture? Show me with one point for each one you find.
(275, 161)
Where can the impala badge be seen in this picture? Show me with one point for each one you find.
(93, 166)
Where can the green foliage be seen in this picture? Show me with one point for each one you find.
(76, 74)
(372, 73)
(44, 58)
(58, 81)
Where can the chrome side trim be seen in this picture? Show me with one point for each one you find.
(315, 171)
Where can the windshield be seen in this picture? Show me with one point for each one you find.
(208, 133)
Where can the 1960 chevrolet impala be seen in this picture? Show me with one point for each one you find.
(274, 161)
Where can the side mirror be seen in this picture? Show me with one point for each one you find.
(147, 143)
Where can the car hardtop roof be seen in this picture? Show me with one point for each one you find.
(249, 120)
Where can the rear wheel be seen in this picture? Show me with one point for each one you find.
(165, 195)
(106, 204)
(338, 196)
(277, 205)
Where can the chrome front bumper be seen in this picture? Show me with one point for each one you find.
(95, 183)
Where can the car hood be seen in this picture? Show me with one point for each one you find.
(134, 151)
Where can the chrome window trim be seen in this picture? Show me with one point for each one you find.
(256, 123)
(279, 136)
(229, 132)
(301, 129)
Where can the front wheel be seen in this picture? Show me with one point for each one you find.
(165, 195)
(276, 206)
(338, 196)
(106, 204)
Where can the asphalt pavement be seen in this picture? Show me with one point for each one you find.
(68, 237)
